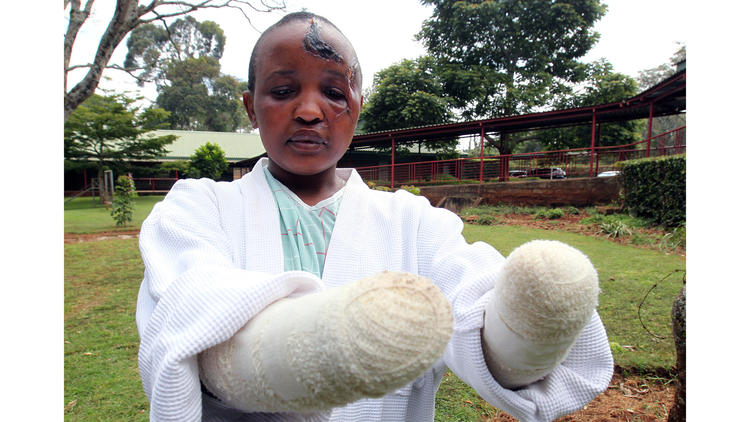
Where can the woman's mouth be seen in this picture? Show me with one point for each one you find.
(307, 141)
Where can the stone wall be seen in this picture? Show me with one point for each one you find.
(579, 192)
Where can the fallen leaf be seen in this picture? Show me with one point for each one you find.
(71, 405)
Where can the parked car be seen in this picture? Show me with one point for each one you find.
(548, 173)
(517, 173)
(608, 173)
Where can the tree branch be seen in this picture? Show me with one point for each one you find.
(77, 18)
(169, 36)
(128, 15)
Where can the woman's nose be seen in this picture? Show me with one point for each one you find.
(308, 109)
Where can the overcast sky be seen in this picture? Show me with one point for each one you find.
(635, 34)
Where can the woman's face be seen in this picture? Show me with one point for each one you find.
(305, 104)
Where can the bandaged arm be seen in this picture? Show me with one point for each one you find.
(545, 295)
(468, 273)
(194, 296)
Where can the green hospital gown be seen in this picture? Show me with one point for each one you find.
(305, 230)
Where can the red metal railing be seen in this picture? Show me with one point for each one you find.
(578, 162)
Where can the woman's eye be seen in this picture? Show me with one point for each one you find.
(281, 92)
(335, 94)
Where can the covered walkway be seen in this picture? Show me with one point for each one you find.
(666, 98)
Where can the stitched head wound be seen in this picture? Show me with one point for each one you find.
(315, 45)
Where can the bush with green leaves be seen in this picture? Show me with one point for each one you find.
(673, 239)
(123, 203)
(550, 214)
(207, 161)
(571, 210)
(486, 220)
(614, 229)
(655, 189)
(411, 189)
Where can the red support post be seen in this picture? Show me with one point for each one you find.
(650, 120)
(393, 160)
(598, 144)
(481, 158)
(593, 140)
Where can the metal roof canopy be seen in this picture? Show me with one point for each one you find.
(665, 98)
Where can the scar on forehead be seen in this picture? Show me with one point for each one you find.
(315, 45)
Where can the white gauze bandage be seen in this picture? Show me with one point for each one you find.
(546, 293)
(330, 348)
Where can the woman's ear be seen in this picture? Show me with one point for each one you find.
(247, 99)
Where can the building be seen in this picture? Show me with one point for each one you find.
(236, 147)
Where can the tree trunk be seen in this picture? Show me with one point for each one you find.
(104, 189)
(123, 21)
(504, 143)
(677, 412)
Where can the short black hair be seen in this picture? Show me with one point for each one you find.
(312, 43)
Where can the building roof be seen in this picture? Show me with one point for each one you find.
(236, 146)
(664, 98)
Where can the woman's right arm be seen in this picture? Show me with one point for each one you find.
(194, 296)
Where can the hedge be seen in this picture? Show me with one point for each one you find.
(654, 188)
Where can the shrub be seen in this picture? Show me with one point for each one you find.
(486, 220)
(411, 188)
(675, 238)
(571, 210)
(528, 210)
(614, 229)
(550, 214)
(374, 186)
(207, 161)
(591, 211)
(555, 213)
(123, 203)
(655, 189)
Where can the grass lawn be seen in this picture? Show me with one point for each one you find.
(101, 342)
(626, 274)
(87, 215)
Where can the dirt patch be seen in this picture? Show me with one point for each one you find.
(90, 237)
(572, 223)
(627, 399)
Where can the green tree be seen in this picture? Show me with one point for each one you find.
(129, 15)
(502, 58)
(207, 161)
(109, 129)
(408, 94)
(183, 61)
(199, 97)
(602, 86)
(151, 48)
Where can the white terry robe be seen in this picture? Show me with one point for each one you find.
(212, 255)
